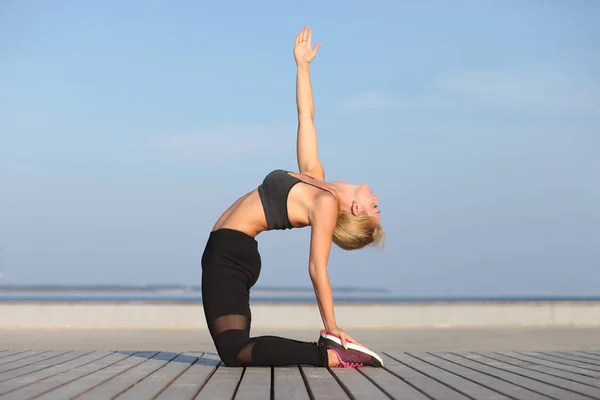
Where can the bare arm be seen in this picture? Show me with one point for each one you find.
(306, 146)
(323, 221)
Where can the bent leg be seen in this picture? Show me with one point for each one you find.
(230, 267)
(274, 351)
(236, 349)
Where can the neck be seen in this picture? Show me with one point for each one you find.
(344, 192)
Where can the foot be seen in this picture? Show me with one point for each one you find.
(342, 358)
(360, 354)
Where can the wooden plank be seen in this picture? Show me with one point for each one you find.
(45, 385)
(483, 378)
(531, 364)
(7, 353)
(593, 357)
(420, 381)
(122, 382)
(19, 355)
(576, 357)
(188, 384)
(154, 383)
(589, 368)
(222, 384)
(567, 389)
(552, 368)
(357, 384)
(89, 381)
(24, 362)
(501, 371)
(590, 353)
(321, 384)
(391, 384)
(36, 372)
(289, 384)
(255, 384)
(458, 383)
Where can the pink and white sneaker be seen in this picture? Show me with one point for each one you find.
(354, 356)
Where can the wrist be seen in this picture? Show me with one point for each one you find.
(303, 66)
(330, 327)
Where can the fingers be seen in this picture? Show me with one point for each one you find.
(344, 342)
(305, 35)
(352, 340)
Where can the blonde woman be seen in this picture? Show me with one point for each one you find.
(337, 212)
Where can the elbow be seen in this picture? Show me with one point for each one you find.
(306, 116)
(316, 271)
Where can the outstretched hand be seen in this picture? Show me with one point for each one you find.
(303, 50)
(344, 337)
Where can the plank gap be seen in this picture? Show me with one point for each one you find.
(237, 387)
(210, 375)
(272, 383)
(311, 395)
(342, 385)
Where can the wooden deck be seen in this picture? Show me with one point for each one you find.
(145, 375)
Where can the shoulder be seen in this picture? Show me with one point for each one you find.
(316, 172)
(325, 210)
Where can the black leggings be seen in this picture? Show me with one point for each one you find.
(230, 267)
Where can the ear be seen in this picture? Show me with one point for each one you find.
(354, 209)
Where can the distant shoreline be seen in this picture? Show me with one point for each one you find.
(175, 293)
(175, 299)
(160, 288)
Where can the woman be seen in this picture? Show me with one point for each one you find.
(337, 212)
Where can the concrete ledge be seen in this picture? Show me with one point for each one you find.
(17, 315)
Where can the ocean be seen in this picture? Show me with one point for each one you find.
(192, 294)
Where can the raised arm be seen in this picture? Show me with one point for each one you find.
(306, 146)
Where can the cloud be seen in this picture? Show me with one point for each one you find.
(217, 144)
(535, 89)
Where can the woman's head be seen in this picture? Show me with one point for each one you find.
(358, 223)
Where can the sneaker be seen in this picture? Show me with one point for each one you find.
(332, 342)
(354, 358)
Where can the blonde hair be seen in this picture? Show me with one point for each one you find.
(353, 232)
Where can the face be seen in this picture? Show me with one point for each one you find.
(366, 202)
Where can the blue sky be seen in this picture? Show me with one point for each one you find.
(126, 128)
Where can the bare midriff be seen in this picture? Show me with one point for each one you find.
(248, 216)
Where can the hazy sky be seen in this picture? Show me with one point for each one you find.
(126, 128)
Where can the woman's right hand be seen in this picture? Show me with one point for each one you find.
(344, 337)
(303, 50)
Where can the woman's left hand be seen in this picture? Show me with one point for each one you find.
(303, 50)
(344, 337)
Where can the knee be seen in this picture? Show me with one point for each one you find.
(229, 356)
(229, 344)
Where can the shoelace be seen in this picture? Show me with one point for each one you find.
(351, 364)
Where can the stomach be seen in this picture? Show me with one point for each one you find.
(246, 215)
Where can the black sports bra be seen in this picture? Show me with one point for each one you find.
(274, 192)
